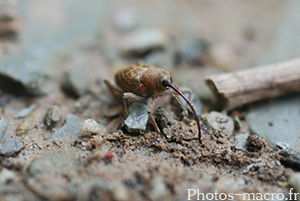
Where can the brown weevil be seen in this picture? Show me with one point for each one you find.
(144, 82)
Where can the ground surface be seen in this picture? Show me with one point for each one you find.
(116, 164)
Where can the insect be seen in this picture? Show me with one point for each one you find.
(144, 82)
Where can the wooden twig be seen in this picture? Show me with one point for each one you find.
(236, 89)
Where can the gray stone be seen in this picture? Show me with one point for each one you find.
(25, 70)
(138, 117)
(46, 176)
(21, 76)
(53, 115)
(9, 147)
(241, 142)
(25, 111)
(143, 40)
(75, 82)
(284, 115)
(71, 127)
(4, 127)
(220, 122)
(47, 163)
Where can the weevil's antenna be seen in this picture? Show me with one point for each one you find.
(175, 88)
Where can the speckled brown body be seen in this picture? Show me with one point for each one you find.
(142, 80)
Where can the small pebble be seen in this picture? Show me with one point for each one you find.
(52, 116)
(143, 40)
(91, 126)
(148, 136)
(9, 147)
(220, 122)
(138, 117)
(71, 127)
(75, 82)
(282, 145)
(241, 142)
(24, 127)
(25, 112)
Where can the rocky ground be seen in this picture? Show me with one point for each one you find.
(62, 135)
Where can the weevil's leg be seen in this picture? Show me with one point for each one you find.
(180, 103)
(151, 107)
(152, 119)
(115, 90)
(130, 97)
(184, 90)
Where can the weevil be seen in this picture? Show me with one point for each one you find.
(145, 82)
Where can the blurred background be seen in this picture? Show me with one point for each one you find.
(101, 36)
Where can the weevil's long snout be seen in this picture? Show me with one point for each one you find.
(175, 88)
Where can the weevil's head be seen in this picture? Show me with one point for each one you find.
(156, 80)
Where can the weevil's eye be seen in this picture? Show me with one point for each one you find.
(165, 83)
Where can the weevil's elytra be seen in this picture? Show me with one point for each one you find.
(142, 82)
(128, 78)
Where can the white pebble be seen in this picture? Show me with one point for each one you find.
(91, 126)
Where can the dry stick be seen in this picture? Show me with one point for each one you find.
(236, 89)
